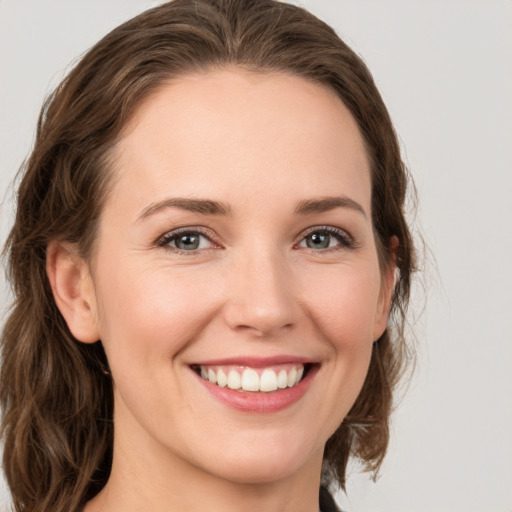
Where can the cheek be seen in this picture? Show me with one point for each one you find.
(152, 315)
(343, 302)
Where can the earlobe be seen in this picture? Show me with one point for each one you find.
(389, 279)
(73, 290)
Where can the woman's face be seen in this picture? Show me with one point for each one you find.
(237, 247)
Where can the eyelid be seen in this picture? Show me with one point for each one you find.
(347, 240)
(164, 240)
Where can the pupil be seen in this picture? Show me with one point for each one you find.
(317, 240)
(188, 241)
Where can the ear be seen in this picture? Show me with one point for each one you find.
(73, 290)
(387, 287)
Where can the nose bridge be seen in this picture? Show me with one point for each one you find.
(261, 295)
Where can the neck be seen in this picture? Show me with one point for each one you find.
(140, 480)
(193, 493)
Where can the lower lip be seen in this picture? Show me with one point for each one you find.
(260, 402)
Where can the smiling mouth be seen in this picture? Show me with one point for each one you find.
(262, 380)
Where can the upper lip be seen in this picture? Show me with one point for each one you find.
(256, 362)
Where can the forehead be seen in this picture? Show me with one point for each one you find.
(231, 128)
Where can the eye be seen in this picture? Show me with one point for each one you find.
(186, 240)
(326, 238)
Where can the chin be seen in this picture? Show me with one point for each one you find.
(265, 461)
(249, 472)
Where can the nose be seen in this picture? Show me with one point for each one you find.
(261, 296)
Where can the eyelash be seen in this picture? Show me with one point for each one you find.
(167, 239)
(345, 240)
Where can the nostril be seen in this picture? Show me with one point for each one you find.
(261, 310)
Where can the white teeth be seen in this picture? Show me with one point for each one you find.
(222, 379)
(292, 377)
(282, 379)
(268, 381)
(234, 380)
(249, 379)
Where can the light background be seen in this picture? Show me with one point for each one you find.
(444, 69)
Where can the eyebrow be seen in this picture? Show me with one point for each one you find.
(205, 206)
(209, 207)
(324, 204)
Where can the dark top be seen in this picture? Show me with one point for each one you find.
(327, 504)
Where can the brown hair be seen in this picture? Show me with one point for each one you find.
(56, 395)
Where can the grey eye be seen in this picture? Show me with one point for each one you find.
(320, 240)
(187, 241)
(326, 238)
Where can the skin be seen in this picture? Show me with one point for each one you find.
(260, 143)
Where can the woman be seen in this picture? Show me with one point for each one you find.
(208, 245)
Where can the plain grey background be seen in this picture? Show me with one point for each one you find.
(444, 69)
